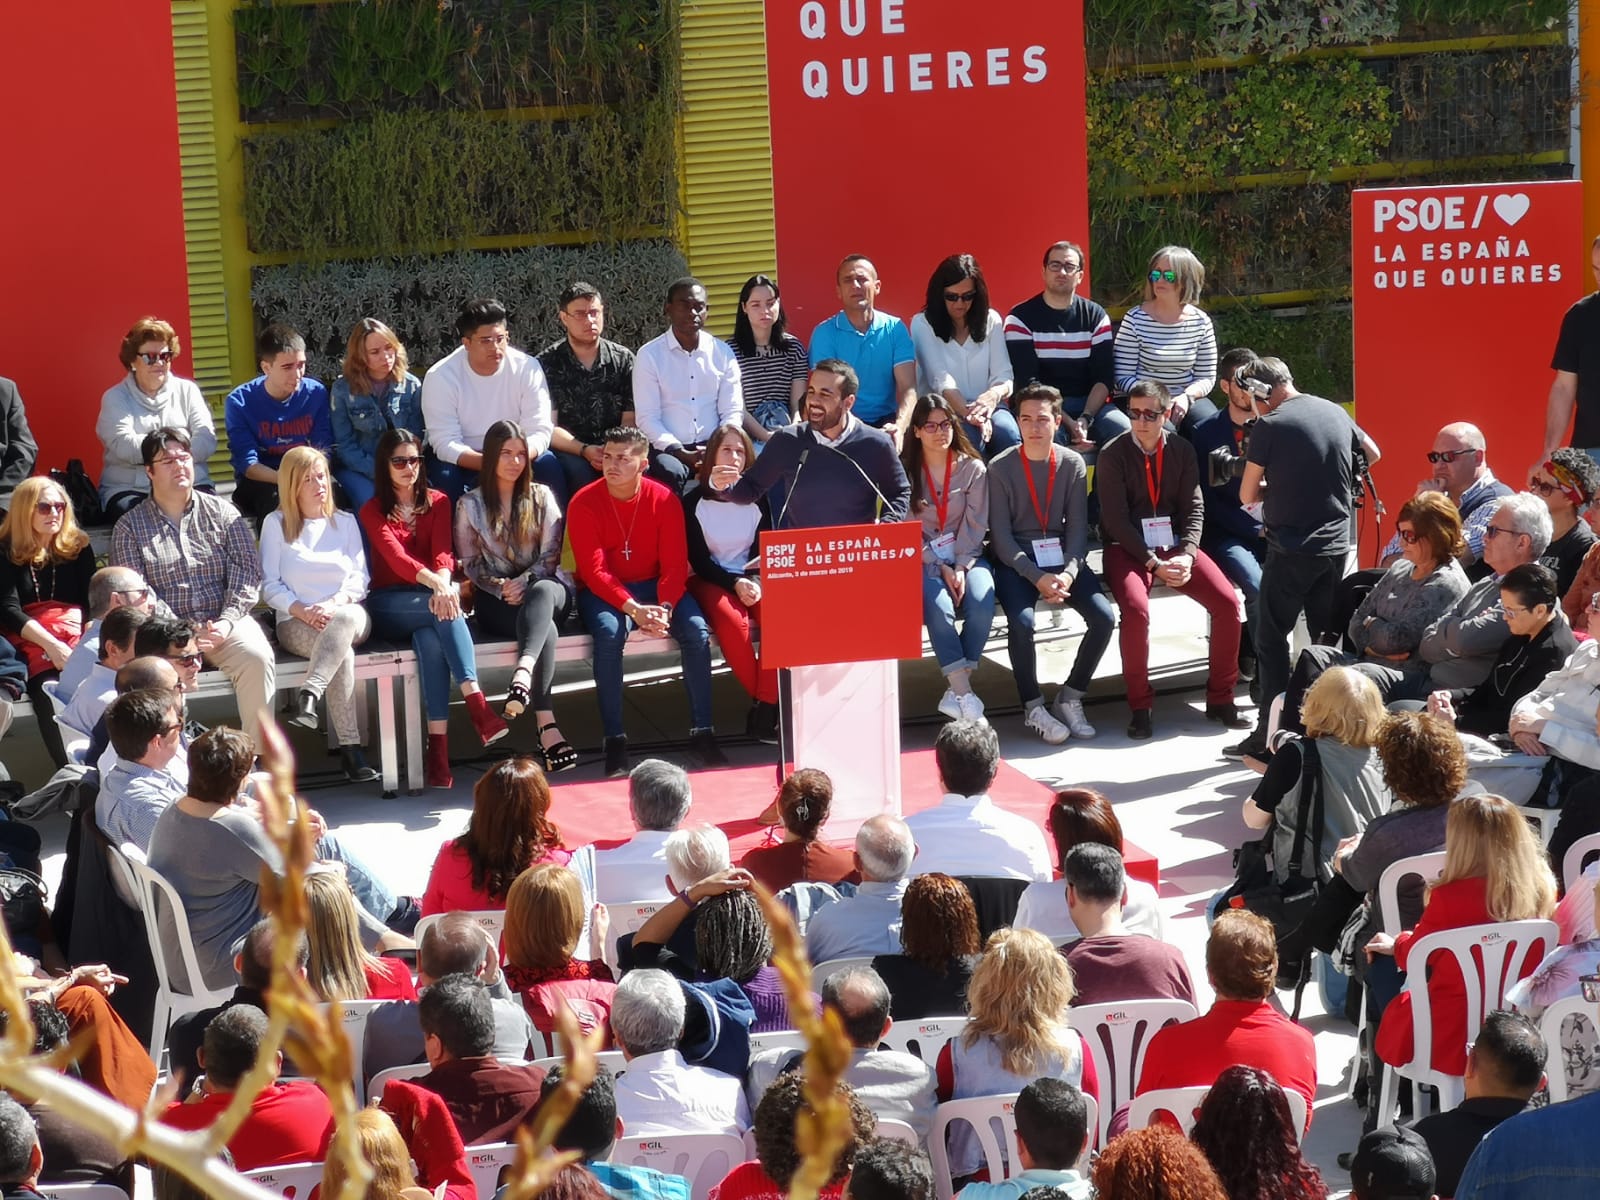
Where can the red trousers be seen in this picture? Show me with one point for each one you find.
(734, 626)
(114, 1061)
(1130, 584)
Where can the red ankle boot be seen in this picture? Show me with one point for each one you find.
(490, 727)
(436, 768)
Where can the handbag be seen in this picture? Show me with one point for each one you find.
(61, 620)
(22, 898)
(80, 489)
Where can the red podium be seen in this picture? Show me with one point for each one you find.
(840, 605)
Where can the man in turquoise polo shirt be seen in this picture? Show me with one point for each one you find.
(875, 344)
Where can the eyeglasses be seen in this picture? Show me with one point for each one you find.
(139, 594)
(150, 360)
(1158, 276)
(49, 508)
(167, 729)
(1495, 530)
(966, 297)
(1448, 456)
(1409, 536)
(1512, 611)
(937, 426)
(1543, 488)
(172, 458)
(193, 659)
(1150, 415)
(401, 462)
(1062, 268)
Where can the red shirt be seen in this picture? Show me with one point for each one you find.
(750, 1181)
(649, 527)
(450, 882)
(1247, 1033)
(390, 980)
(288, 1123)
(779, 865)
(398, 553)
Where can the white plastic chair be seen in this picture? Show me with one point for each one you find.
(820, 972)
(925, 1038)
(1550, 1026)
(611, 1060)
(93, 1191)
(353, 1016)
(493, 921)
(1506, 947)
(990, 1118)
(1544, 818)
(897, 1131)
(627, 917)
(777, 1039)
(1572, 860)
(294, 1180)
(407, 1071)
(74, 740)
(1183, 1104)
(701, 1158)
(485, 1164)
(174, 997)
(1118, 1035)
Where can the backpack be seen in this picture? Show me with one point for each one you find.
(80, 489)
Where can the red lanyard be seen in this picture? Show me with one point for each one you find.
(1049, 488)
(1152, 476)
(941, 504)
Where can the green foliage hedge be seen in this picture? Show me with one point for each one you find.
(1315, 341)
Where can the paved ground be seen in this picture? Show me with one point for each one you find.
(1175, 795)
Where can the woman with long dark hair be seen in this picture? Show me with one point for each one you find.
(772, 362)
(1246, 1131)
(961, 353)
(508, 541)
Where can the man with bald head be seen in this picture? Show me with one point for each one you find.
(110, 588)
(869, 921)
(876, 345)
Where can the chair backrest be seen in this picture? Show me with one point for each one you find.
(485, 1164)
(924, 1038)
(295, 1181)
(701, 1158)
(822, 970)
(167, 925)
(90, 1191)
(611, 1060)
(1572, 860)
(1492, 958)
(898, 1131)
(1182, 1104)
(1573, 1008)
(1118, 1035)
(991, 1119)
(353, 1016)
(1542, 819)
(1427, 866)
(493, 921)
(407, 1071)
(777, 1039)
(628, 917)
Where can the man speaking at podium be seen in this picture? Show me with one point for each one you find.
(834, 469)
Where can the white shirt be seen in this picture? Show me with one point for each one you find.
(91, 698)
(635, 870)
(1043, 907)
(971, 367)
(325, 561)
(972, 835)
(459, 405)
(866, 923)
(660, 1093)
(680, 396)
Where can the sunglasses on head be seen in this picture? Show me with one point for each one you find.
(966, 297)
(160, 356)
(1169, 275)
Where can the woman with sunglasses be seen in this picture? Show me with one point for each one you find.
(149, 397)
(950, 496)
(45, 568)
(1168, 339)
(413, 597)
(375, 392)
(961, 353)
(1567, 482)
(508, 538)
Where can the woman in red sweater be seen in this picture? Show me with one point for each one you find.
(340, 967)
(1494, 870)
(803, 803)
(413, 597)
(544, 920)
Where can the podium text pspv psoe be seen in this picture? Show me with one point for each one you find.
(840, 605)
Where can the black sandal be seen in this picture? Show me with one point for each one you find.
(516, 699)
(563, 756)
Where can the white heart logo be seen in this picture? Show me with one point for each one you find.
(1512, 208)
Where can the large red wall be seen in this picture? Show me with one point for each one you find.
(91, 212)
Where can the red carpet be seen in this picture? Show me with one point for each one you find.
(732, 799)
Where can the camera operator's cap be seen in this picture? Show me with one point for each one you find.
(1393, 1164)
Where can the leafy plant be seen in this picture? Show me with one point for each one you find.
(1281, 27)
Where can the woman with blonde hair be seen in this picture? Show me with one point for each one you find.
(1494, 870)
(1166, 339)
(45, 568)
(341, 967)
(439, 1155)
(314, 577)
(374, 393)
(1017, 1032)
(544, 921)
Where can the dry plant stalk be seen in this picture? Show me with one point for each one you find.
(538, 1162)
(823, 1128)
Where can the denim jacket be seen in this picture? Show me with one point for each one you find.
(1548, 1152)
(359, 421)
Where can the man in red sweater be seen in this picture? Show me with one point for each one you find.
(1242, 1028)
(632, 563)
(288, 1122)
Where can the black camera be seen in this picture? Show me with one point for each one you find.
(1226, 463)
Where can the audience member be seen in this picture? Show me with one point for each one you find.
(109, 588)
(1040, 556)
(803, 803)
(1393, 1164)
(21, 1159)
(1084, 815)
(1157, 1163)
(341, 968)
(508, 535)
(544, 923)
(784, 1110)
(415, 599)
(198, 555)
(889, 1169)
(593, 1127)
(18, 450)
(967, 833)
(875, 345)
(772, 361)
(482, 381)
(658, 800)
(1246, 1131)
(1560, 977)
(659, 1092)
(1167, 339)
(99, 688)
(173, 640)
(288, 1122)
(617, 595)
(375, 392)
(591, 386)
(1568, 482)
(1052, 1135)
(147, 398)
(961, 354)
(685, 385)
(1548, 1152)
(1109, 963)
(383, 1149)
(71, 1153)
(509, 831)
(939, 946)
(1578, 602)
(269, 416)
(869, 921)
(146, 671)
(487, 1098)
(1559, 716)
(149, 772)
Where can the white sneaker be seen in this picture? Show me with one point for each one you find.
(5, 714)
(950, 705)
(971, 706)
(1041, 722)
(1070, 710)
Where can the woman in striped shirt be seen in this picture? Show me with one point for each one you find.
(772, 363)
(1169, 340)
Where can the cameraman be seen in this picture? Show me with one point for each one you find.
(1232, 535)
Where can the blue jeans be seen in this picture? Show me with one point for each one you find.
(575, 473)
(610, 629)
(358, 488)
(1018, 597)
(1003, 433)
(548, 470)
(1241, 563)
(444, 648)
(375, 899)
(450, 479)
(1107, 423)
(963, 651)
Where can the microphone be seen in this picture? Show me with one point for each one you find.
(798, 467)
(832, 449)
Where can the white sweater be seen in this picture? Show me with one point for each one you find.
(325, 561)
